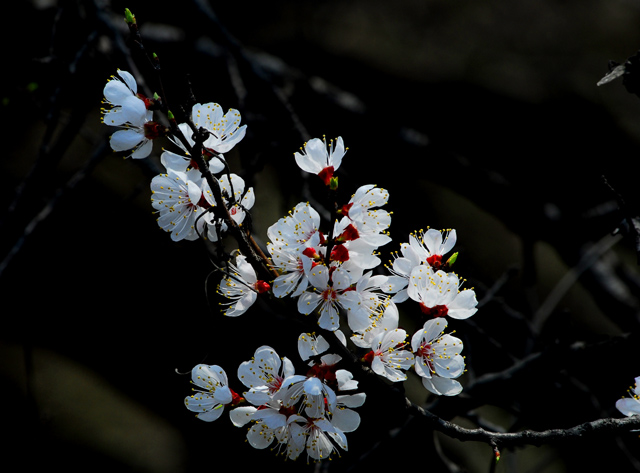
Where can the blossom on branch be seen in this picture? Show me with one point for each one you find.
(296, 231)
(214, 392)
(223, 132)
(182, 199)
(422, 249)
(361, 211)
(241, 287)
(387, 357)
(437, 358)
(384, 322)
(630, 406)
(121, 93)
(327, 294)
(264, 374)
(439, 295)
(365, 301)
(129, 110)
(318, 157)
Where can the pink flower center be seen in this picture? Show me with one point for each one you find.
(275, 384)
(424, 351)
(288, 411)
(329, 294)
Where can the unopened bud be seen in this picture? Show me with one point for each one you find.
(333, 183)
(452, 259)
(129, 18)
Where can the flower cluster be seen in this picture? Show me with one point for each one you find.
(331, 270)
(298, 413)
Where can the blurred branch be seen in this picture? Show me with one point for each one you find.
(102, 151)
(632, 226)
(570, 278)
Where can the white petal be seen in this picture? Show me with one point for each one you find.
(123, 140)
(628, 406)
(241, 416)
(442, 386)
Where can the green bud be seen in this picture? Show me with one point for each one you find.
(452, 259)
(333, 183)
(128, 17)
(170, 115)
(156, 96)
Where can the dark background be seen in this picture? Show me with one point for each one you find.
(479, 116)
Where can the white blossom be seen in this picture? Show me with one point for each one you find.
(182, 200)
(223, 132)
(264, 374)
(438, 294)
(630, 406)
(422, 249)
(388, 357)
(318, 157)
(241, 287)
(437, 355)
(129, 111)
(326, 295)
(213, 394)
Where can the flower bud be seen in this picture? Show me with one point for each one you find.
(129, 18)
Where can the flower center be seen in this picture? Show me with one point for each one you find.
(203, 202)
(368, 358)
(329, 294)
(326, 174)
(424, 351)
(153, 130)
(340, 253)
(350, 233)
(326, 373)
(435, 311)
(435, 261)
(261, 286)
(235, 398)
